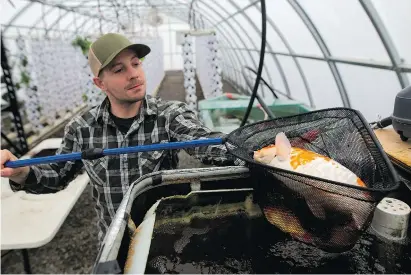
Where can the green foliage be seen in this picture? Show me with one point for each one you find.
(83, 43)
(85, 97)
(25, 79)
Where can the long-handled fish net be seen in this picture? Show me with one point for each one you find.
(330, 215)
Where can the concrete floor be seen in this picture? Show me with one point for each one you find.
(73, 250)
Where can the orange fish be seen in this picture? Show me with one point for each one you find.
(287, 222)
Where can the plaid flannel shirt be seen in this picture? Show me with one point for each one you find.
(111, 176)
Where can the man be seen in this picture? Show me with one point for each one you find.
(127, 117)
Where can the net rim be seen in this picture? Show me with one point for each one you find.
(390, 166)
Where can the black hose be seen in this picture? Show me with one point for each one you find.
(260, 100)
(273, 90)
(191, 15)
(385, 122)
(262, 79)
(260, 66)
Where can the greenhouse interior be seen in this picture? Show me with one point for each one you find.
(260, 136)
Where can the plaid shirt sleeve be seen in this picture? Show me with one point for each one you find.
(184, 126)
(50, 178)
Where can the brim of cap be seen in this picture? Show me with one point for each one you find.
(140, 49)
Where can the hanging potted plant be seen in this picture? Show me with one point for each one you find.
(83, 43)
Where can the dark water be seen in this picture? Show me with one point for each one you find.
(236, 244)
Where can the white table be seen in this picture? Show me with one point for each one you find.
(30, 220)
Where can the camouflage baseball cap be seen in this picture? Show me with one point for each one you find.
(107, 47)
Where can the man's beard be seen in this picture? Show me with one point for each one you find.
(127, 101)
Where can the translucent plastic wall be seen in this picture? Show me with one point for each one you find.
(325, 53)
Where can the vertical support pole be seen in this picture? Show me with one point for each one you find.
(189, 72)
(216, 84)
(26, 261)
(13, 100)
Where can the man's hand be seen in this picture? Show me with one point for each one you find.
(18, 175)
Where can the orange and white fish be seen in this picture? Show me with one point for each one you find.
(283, 156)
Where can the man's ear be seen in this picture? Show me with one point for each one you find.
(99, 83)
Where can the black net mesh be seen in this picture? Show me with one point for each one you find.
(330, 215)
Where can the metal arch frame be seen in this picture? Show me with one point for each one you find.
(232, 59)
(95, 25)
(202, 21)
(236, 85)
(241, 11)
(68, 9)
(277, 62)
(134, 6)
(223, 33)
(235, 61)
(114, 5)
(231, 28)
(128, 11)
(231, 47)
(50, 27)
(229, 54)
(17, 16)
(27, 27)
(389, 46)
(207, 17)
(236, 32)
(60, 6)
(203, 12)
(292, 54)
(84, 24)
(54, 6)
(230, 74)
(41, 18)
(356, 62)
(369, 8)
(191, 13)
(64, 15)
(55, 22)
(107, 7)
(43, 2)
(323, 47)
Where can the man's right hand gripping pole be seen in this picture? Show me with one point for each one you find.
(17, 175)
